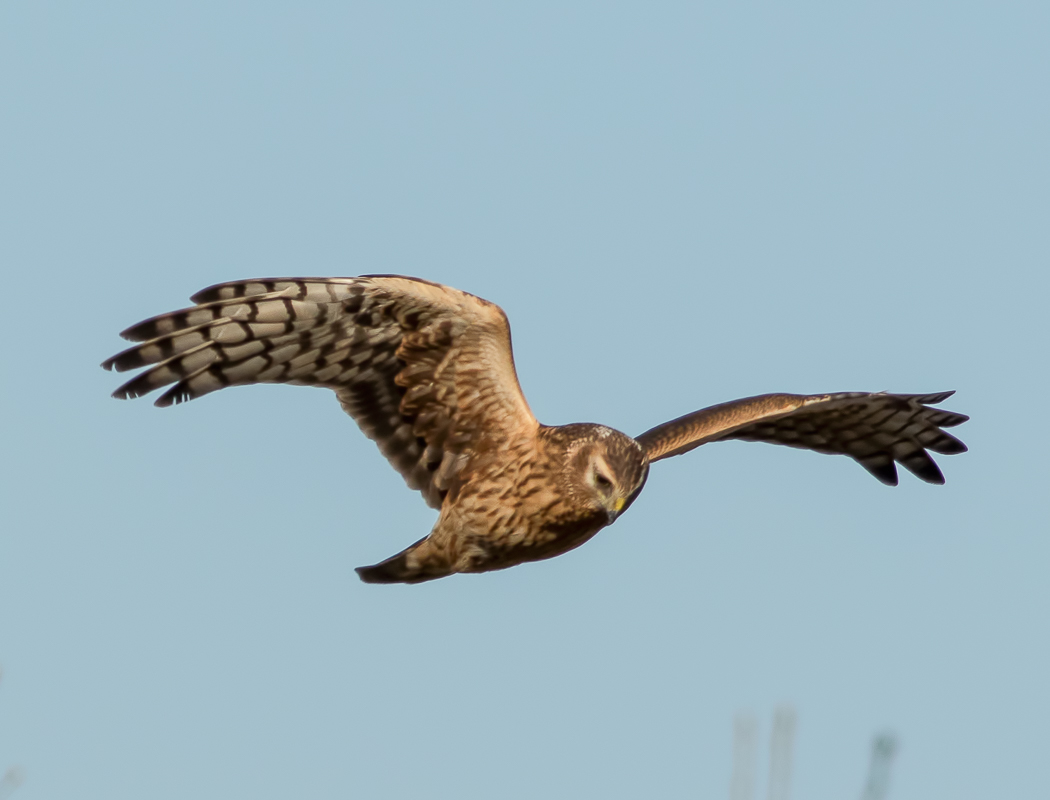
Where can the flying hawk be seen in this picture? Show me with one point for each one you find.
(427, 372)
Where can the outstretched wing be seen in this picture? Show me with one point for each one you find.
(875, 429)
(425, 370)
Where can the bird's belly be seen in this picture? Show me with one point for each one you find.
(503, 535)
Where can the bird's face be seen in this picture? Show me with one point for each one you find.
(610, 472)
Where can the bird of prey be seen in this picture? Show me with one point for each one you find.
(426, 371)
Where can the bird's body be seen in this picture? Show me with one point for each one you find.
(517, 505)
(427, 373)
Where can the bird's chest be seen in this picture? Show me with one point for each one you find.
(516, 510)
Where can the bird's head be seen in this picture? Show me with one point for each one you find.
(606, 468)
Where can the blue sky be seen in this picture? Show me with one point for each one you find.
(676, 204)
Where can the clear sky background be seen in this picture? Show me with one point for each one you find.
(677, 204)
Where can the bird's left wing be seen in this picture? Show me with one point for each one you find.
(875, 429)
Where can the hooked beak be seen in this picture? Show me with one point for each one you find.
(614, 511)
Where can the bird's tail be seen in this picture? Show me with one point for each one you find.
(416, 564)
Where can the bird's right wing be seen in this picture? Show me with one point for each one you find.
(425, 370)
(875, 429)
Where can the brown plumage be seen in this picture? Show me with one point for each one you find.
(427, 373)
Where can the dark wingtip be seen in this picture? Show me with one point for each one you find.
(140, 331)
(929, 472)
(952, 448)
(882, 467)
(127, 392)
(935, 398)
(207, 294)
(179, 393)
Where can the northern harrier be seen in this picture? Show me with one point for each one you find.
(427, 372)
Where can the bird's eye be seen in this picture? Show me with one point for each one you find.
(602, 482)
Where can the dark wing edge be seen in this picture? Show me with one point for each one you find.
(876, 429)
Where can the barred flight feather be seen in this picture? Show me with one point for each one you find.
(875, 429)
(388, 346)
